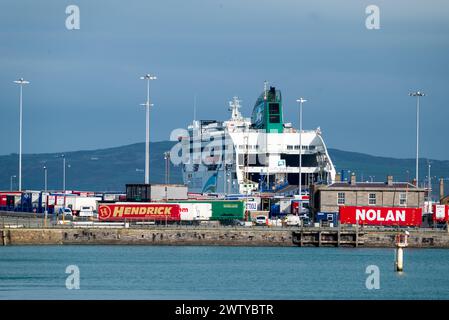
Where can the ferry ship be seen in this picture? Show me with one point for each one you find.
(257, 154)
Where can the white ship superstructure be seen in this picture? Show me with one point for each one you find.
(246, 155)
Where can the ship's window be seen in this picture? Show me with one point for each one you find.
(292, 160)
(274, 108)
(297, 147)
(289, 147)
(275, 118)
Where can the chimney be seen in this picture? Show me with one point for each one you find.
(353, 179)
(337, 177)
(441, 188)
(390, 180)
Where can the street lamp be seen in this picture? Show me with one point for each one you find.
(300, 101)
(20, 82)
(63, 173)
(11, 182)
(147, 105)
(45, 178)
(167, 166)
(417, 94)
(429, 182)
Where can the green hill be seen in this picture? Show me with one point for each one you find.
(110, 169)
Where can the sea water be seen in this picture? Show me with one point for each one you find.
(218, 272)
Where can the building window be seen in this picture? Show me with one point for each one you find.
(403, 199)
(341, 198)
(372, 199)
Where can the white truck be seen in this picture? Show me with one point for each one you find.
(77, 203)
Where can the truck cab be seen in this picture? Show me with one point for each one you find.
(65, 212)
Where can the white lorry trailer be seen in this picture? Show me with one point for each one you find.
(77, 203)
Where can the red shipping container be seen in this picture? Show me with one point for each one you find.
(4, 195)
(385, 216)
(139, 211)
(440, 212)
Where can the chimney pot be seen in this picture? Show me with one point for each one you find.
(353, 179)
(390, 180)
(337, 177)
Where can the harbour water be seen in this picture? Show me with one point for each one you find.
(206, 272)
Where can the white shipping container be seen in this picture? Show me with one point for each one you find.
(195, 211)
(109, 197)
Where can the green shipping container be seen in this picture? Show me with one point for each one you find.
(223, 209)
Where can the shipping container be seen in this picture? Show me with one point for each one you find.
(384, 216)
(31, 201)
(120, 211)
(4, 204)
(275, 210)
(223, 209)
(155, 192)
(112, 197)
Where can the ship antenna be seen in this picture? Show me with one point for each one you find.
(234, 106)
(265, 83)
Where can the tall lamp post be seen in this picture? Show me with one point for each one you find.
(45, 178)
(300, 101)
(20, 82)
(12, 177)
(167, 166)
(417, 94)
(429, 182)
(147, 105)
(63, 173)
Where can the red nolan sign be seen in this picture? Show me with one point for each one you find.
(141, 211)
(385, 216)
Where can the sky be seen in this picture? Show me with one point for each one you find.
(85, 92)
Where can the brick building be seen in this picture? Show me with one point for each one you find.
(328, 198)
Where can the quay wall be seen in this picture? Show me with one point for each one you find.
(162, 236)
(203, 236)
